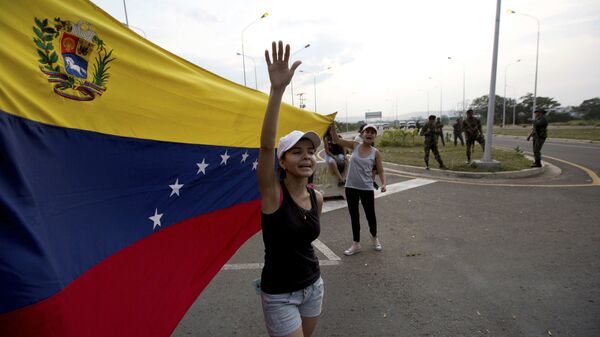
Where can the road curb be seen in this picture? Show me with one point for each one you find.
(421, 171)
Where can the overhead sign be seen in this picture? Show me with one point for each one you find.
(374, 114)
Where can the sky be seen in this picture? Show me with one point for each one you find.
(388, 56)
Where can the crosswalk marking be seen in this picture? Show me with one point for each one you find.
(328, 206)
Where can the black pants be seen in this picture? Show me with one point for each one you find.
(367, 198)
(537, 149)
(458, 135)
(432, 146)
(442, 135)
(471, 144)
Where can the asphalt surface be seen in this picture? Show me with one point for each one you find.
(587, 154)
(460, 258)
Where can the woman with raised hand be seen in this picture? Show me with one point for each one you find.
(291, 284)
(359, 183)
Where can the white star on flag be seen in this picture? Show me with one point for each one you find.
(245, 156)
(156, 219)
(255, 164)
(224, 158)
(202, 167)
(176, 187)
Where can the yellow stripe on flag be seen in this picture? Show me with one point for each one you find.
(143, 92)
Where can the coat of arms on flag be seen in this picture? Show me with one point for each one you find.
(77, 44)
(115, 215)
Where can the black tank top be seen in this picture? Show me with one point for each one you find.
(288, 233)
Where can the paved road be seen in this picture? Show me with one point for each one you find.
(459, 259)
(586, 154)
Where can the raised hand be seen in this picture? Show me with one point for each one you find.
(279, 72)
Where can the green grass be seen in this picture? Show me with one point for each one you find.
(579, 122)
(454, 157)
(565, 132)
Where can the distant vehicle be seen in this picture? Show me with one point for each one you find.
(411, 124)
(401, 124)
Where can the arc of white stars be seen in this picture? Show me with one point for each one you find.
(224, 158)
(255, 164)
(202, 167)
(175, 188)
(245, 156)
(156, 219)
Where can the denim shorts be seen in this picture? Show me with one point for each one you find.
(283, 312)
(330, 159)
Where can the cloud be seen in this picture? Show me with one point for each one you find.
(383, 51)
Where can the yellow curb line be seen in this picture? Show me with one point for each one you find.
(592, 174)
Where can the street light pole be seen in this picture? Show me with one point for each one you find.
(515, 103)
(315, 74)
(243, 52)
(292, 80)
(254, 64)
(126, 18)
(537, 54)
(504, 98)
(487, 154)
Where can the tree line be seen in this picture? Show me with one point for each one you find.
(589, 109)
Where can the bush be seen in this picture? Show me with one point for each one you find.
(399, 137)
(554, 117)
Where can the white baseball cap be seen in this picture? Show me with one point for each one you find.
(288, 141)
(370, 126)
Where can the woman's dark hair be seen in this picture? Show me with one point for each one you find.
(361, 127)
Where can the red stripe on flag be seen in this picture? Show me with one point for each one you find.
(144, 289)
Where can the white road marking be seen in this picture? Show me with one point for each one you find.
(393, 188)
(325, 250)
(254, 266)
(328, 206)
(241, 266)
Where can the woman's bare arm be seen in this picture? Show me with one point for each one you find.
(280, 76)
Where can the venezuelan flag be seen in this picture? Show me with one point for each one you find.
(127, 174)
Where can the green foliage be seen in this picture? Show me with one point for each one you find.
(546, 103)
(579, 122)
(480, 107)
(554, 117)
(342, 127)
(523, 109)
(98, 42)
(399, 137)
(43, 41)
(590, 108)
(454, 157)
(101, 67)
(519, 150)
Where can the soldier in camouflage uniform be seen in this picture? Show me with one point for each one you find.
(457, 130)
(539, 134)
(439, 129)
(472, 129)
(429, 131)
